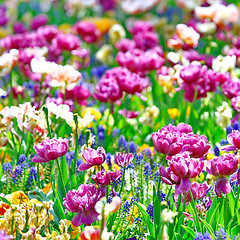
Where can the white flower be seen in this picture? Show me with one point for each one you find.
(104, 54)
(207, 27)
(223, 115)
(224, 64)
(116, 33)
(43, 66)
(167, 215)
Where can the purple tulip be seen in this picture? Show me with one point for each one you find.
(50, 149)
(222, 185)
(123, 160)
(93, 158)
(82, 202)
(191, 73)
(224, 165)
(104, 178)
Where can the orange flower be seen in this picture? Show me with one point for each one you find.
(47, 188)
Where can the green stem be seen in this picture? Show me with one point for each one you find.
(45, 109)
(76, 145)
(122, 183)
(61, 177)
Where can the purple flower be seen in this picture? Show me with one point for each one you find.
(171, 140)
(104, 178)
(50, 149)
(224, 165)
(93, 158)
(82, 202)
(123, 160)
(19, 27)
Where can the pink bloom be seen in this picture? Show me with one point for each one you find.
(167, 140)
(39, 21)
(108, 90)
(234, 138)
(93, 158)
(128, 114)
(82, 202)
(222, 185)
(198, 191)
(104, 178)
(123, 160)
(50, 149)
(168, 176)
(185, 168)
(88, 31)
(196, 145)
(224, 165)
(4, 236)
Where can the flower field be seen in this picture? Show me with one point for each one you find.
(119, 119)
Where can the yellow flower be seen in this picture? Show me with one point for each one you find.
(33, 202)
(19, 197)
(173, 113)
(103, 24)
(146, 146)
(3, 33)
(210, 156)
(65, 27)
(188, 111)
(96, 113)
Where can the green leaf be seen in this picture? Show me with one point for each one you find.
(235, 230)
(156, 211)
(189, 230)
(208, 227)
(149, 224)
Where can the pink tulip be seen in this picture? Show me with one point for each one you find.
(50, 149)
(82, 202)
(224, 165)
(222, 185)
(198, 191)
(93, 158)
(234, 138)
(123, 160)
(104, 178)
